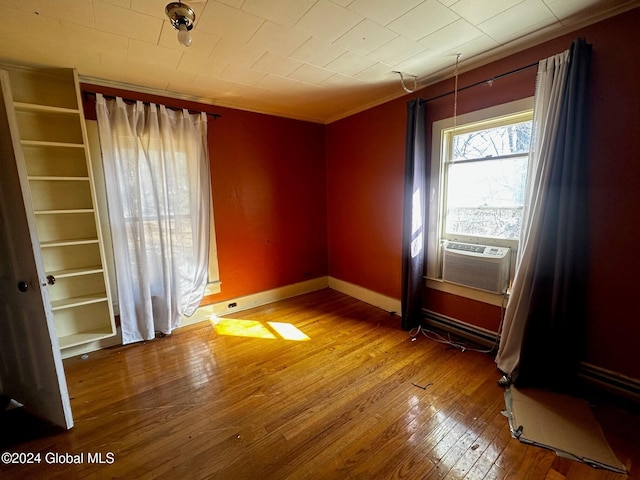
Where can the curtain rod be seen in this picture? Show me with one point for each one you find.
(489, 81)
(86, 94)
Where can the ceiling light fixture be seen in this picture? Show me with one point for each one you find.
(182, 17)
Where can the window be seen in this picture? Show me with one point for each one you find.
(485, 174)
(478, 179)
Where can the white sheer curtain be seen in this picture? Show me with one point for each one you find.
(158, 188)
(552, 76)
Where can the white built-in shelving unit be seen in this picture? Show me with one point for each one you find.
(53, 146)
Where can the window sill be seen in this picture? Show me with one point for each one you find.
(466, 292)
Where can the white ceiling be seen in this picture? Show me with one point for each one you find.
(317, 60)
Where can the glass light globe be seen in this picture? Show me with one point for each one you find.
(184, 37)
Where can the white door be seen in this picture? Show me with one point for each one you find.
(31, 370)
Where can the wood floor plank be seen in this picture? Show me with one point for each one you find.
(358, 400)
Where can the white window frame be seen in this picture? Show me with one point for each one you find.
(435, 234)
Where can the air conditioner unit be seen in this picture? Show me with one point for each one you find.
(478, 266)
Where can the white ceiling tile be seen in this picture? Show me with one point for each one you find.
(242, 74)
(477, 11)
(132, 72)
(365, 37)
(311, 74)
(564, 9)
(339, 80)
(318, 52)
(120, 3)
(427, 62)
(233, 3)
(121, 21)
(154, 8)
(91, 65)
(344, 3)
(327, 21)
(264, 100)
(194, 62)
(379, 72)
(423, 20)
(283, 12)
(277, 83)
(209, 87)
(92, 40)
(180, 80)
(474, 47)
(450, 37)
(79, 12)
(516, 22)
(308, 89)
(276, 64)
(397, 50)
(151, 54)
(383, 11)
(230, 51)
(43, 30)
(350, 64)
(228, 22)
(278, 39)
(25, 6)
(112, 63)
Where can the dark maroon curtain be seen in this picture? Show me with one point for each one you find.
(414, 219)
(554, 335)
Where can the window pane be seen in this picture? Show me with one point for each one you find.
(493, 142)
(486, 198)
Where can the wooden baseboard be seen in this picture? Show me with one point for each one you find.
(246, 302)
(610, 381)
(376, 299)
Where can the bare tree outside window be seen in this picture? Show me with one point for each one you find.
(486, 180)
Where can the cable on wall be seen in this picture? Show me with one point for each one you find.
(455, 97)
(406, 89)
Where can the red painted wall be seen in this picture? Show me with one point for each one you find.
(268, 177)
(365, 167)
(269, 195)
(365, 175)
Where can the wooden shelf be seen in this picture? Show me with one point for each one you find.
(67, 243)
(80, 338)
(75, 272)
(35, 107)
(63, 212)
(43, 143)
(53, 178)
(78, 301)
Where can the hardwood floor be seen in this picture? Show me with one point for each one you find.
(340, 405)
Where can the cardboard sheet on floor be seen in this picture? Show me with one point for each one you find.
(561, 423)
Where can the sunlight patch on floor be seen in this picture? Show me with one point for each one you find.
(255, 329)
(288, 331)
